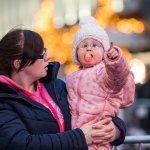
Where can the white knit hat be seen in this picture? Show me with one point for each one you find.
(89, 29)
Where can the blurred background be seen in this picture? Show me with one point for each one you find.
(127, 23)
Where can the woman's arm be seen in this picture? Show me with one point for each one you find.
(15, 135)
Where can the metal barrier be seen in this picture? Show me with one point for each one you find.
(136, 140)
(139, 142)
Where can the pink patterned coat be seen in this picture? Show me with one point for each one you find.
(100, 90)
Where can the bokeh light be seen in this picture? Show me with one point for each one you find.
(138, 68)
(59, 42)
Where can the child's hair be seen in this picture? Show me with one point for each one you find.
(89, 29)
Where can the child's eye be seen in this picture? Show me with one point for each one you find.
(95, 46)
(84, 45)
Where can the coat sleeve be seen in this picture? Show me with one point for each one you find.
(119, 83)
(121, 125)
(117, 72)
(14, 135)
(120, 77)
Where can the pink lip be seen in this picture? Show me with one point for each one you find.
(46, 66)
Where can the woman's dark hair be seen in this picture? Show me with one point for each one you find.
(20, 44)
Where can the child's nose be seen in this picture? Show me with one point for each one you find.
(89, 48)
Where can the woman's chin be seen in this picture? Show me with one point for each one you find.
(44, 74)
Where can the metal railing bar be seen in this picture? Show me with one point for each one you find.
(137, 139)
(139, 146)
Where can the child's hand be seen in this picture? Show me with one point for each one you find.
(112, 53)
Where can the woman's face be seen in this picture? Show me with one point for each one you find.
(38, 69)
(90, 52)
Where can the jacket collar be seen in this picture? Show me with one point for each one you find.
(53, 68)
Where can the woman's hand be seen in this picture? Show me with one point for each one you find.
(107, 132)
(97, 132)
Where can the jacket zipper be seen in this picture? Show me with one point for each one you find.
(59, 104)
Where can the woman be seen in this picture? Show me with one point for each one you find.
(34, 112)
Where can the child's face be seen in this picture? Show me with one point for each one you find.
(90, 52)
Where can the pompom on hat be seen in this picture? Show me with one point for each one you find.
(89, 29)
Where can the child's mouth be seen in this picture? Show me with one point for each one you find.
(88, 57)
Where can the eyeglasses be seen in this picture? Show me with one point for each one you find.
(93, 46)
(42, 55)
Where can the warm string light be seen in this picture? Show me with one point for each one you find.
(138, 68)
(59, 41)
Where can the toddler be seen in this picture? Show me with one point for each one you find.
(104, 82)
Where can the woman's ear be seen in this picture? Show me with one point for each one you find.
(17, 63)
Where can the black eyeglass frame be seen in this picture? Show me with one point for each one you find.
(42, 55)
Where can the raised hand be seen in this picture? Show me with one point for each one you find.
(112, 52)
